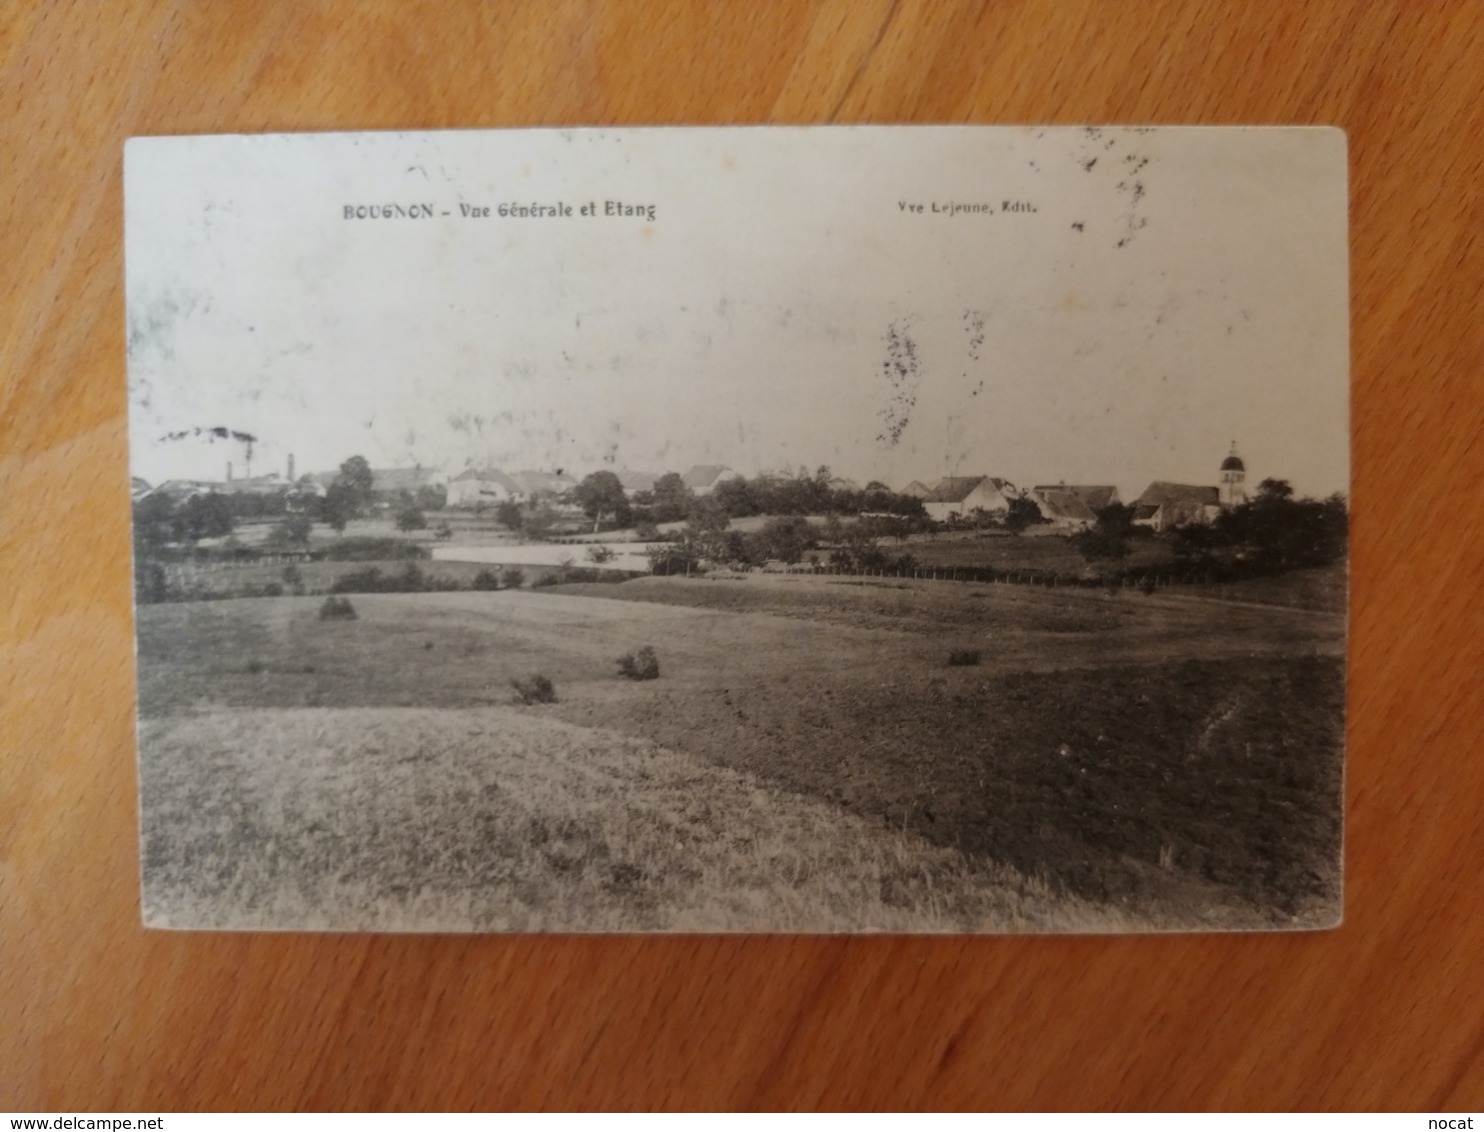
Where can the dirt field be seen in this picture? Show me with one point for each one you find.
(1165, 759)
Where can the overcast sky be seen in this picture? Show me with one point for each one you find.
(1172, 291)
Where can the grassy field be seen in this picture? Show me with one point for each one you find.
(1322, 589)
(509, 819)
(1022, 552)
(1111, 761)
(316, 577)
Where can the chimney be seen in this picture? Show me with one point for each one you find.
(290, 476)
(229, 471)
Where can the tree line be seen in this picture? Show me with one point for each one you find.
(1272, 531)
(160, 519)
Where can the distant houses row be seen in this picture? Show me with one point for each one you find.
(488, 486)
(470, 488)
(1068, 506)
(1163, 505)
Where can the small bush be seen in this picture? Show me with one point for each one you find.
(512, 578)
(337, 609)
(273, 589)
(535, 689)
(486, 580)
(963, 658)
(411, 519)
(254, 667)
(293, 530)
(641, 664)
(1146, 585)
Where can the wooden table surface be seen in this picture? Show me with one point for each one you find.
(1388, 1011)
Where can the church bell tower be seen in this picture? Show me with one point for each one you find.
(1233, 476)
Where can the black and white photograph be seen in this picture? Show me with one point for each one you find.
(822, 530)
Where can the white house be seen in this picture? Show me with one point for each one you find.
(962, 495)
(536, 485)
(703, 478)
(480, 487)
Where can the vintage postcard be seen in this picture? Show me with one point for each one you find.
(868, 529)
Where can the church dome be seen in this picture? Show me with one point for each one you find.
(1233, 464)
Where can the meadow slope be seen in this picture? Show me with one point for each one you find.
(1174, 759)
(507, 819)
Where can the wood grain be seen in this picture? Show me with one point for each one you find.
(96, 1014)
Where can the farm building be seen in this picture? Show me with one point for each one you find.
(917, 489)
(539, 485)
(270, 484)
(962, 495)
(703, 478)
(480, 486)
(1166, 505)
(394, 481)
(179, 491)
(386, 483)
(1062, 508)
(636, 481)
(1072, 505)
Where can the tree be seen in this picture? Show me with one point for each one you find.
(600, 494)
(1273, 491)
(356, 478)
(858, 551)
(736, 498)
(1275, 531)
(539, 521)
(203, 516)
(601, 555)
(337, 507)
(672, 557)
(509, 513)
(707, 516)
(154, 523)
(294, 530)
(411, 519)
(348, 495)
(672, 498)
(1022, 513)
(1107, 539)
(787, 538)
